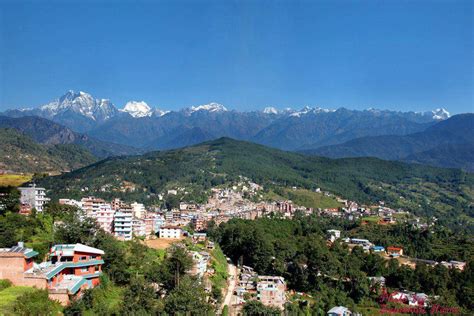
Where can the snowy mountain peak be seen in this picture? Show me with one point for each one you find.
(270, 110)
(211, 107)
(137, 109)
(440, 114)
(81, 103)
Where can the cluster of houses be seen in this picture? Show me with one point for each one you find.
(391, 251)
(269, 290)
(118, 218)
(70, 269)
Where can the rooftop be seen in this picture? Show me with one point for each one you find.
(19, 249)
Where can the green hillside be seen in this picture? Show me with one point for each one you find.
(445, 193)
(20, 153)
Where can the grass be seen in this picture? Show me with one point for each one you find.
(371, 219)
(312, 199)
(8, 297)
(14, 179)
(219, 264)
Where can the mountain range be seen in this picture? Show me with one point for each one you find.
(139, 124)
(449, 143)
(46, 132)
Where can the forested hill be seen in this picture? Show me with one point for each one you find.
(446, 193)
(20, 153)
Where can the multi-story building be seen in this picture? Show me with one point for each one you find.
(172, 232)
(138, 210)
(105, 217)
(271, 291)
(200, 261)
(91, 205)
(33, 196)
(138, 227)
(71, 269)
(123, 224)
(117, 204)
(199, 223)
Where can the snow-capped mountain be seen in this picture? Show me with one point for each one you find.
(137, 109)
(308, 109)
(270, 110)
(80, 103)
(440, 114)
(211, 107)
(309, 127)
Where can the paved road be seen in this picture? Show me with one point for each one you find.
(232, 282)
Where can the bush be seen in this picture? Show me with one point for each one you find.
(36, 303)
(4, 284)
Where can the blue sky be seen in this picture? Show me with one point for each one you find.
(400, 55)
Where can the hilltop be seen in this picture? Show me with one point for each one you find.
(20, 153)
(429, 191)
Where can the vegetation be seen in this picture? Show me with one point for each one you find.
(20, 153)
(444, 193)
(36, 303)
(14, 180)
(8, 296)
(297, 250)
(136, 277)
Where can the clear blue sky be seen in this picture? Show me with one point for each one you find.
(402, 55)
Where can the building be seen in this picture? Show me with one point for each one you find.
(200, 261)
(91, 205)
(105, 217)
(271, 291)
(199, 223)
(138, 227)
(333, 234)
(138, 210)
(123, 224)
(378, 249)
(339, 311)
(394, 251)
(171, 232)
(33, 196)
(71, 269)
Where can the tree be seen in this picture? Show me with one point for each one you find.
(175, 267)
(256, 308)
(140, 298)
(36, 303)
(9, 199)
(188, 296)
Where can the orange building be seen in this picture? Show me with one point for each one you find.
(71, 269)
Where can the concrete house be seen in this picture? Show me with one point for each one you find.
(71, 268)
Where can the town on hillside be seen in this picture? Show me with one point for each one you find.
(69, 269)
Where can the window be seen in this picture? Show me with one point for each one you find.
(84, 270)
(96, 268)
(83, 258)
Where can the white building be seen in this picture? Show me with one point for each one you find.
(105, 218)
(138, 227)
(138, 210)
(123, 224)
(172, 232)
(334, 234)
(33, 196)
(339, 311)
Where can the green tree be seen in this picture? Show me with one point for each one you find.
(256, 308)
(36, 303)
(188, 297)
(140, 299)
